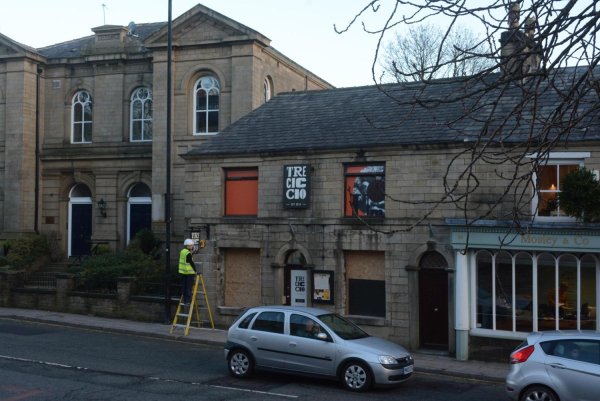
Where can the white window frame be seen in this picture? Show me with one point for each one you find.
(513, 334)
(82, 122)
(198, 87)
(556, 159)
(134, 201)
(135, 98)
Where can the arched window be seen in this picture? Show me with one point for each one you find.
(141, 115)
(206, 106)
(81, 118)
(267, 90)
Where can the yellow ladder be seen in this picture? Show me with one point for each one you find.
(193, 307)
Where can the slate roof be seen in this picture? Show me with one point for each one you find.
(72, 48)
(364, 117)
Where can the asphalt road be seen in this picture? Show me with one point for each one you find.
(52, 362)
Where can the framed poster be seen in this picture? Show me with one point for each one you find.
(296, 186)
(323, 286)
(299, 288)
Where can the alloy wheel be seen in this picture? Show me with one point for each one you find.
(539, 395)
(239, 364)
(355, 377)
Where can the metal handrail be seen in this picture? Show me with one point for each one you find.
(93, 252)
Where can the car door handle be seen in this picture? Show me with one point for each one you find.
(293, 344)
(253, 338)
(558, 365)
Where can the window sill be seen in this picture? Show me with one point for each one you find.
(80, 143)
(230, 310)
(507, 335)
(367, 320)
(206, 134)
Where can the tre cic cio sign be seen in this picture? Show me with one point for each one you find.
(296, 186)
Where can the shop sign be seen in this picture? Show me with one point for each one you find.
(195, 236)
(296, 186)
(299, 287)
(323, 286)
(547, 240)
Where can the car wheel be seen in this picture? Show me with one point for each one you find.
(240, 364)
(538, 393)
(356, 377)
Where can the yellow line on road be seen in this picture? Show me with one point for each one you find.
(109, 332)
(457, 377)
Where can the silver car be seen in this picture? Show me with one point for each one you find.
(556, 365)
(313, 342)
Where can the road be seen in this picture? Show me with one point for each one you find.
(53, 362)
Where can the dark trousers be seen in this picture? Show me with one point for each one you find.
(187, 285)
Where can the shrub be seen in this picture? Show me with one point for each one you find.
(101, 250)
(145, 242)
(27, 250)
(580, 195)
(3, 261)
(113, 265)
(56, 254)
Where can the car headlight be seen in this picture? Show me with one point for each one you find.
(386, 360)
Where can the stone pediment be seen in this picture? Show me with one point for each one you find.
(203, 25)
(9, 47)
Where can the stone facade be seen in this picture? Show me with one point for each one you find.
(110, 66)
(327, 238)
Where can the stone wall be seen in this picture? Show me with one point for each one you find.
(125, 304)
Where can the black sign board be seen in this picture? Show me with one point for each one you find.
(296, 186)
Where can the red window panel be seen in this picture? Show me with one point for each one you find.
(241, 192)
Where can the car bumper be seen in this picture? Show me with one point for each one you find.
(514, 383)
(384, 377)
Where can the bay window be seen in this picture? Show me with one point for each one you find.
(530, 291)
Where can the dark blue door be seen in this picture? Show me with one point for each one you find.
(81, 228)
(140, 217)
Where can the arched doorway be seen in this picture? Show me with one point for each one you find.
(80, 220)
(433, 301)
(139, 209)
(296, 279)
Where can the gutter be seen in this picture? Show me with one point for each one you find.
(37, 151)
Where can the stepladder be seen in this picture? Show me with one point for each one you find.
(193, 308)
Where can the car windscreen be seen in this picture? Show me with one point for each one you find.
(342, 327)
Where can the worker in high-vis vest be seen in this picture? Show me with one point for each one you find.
(187, 269)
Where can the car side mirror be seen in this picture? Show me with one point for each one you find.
(322, 336)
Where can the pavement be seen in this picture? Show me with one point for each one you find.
(424, 362)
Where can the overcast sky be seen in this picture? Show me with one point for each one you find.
(301, 29)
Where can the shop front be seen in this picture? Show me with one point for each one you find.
(509, 286)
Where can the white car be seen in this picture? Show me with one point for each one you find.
(313, 342)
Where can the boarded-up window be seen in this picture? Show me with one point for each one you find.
(365, 283)
(241, 192)
(242, 277)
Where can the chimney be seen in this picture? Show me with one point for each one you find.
(515, 42)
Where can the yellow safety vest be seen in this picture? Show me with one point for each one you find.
(184, 267)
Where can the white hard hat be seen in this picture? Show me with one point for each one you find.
(188, 242)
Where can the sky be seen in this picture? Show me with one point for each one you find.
(300, 29)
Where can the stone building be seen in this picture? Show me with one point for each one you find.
(86, 106)
(281, 190)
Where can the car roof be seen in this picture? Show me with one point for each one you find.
(310, 311)
(561, 334)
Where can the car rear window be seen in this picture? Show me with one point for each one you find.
(574, 349)
(246, 322)
(271, 322)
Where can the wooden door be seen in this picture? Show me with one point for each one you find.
(433, 308)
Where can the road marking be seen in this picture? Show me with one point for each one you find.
(60, 365)
(111, 332)
(255, 391)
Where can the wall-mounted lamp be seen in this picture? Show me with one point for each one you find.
(553, 187)
(102, 207)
